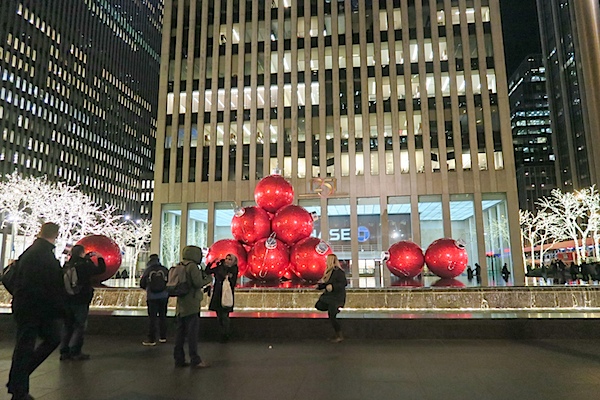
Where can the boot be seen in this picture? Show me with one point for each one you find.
(338, 338)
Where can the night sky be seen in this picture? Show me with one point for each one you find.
(521, 31)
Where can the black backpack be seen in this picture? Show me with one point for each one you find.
(157, 281)
(9, 276)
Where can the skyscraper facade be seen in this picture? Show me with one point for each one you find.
(532, 133)
(79, 93)
(571, 49)
(390, 118)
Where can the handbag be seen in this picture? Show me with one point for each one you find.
(226, 294)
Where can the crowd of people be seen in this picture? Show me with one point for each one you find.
(559, 273)
(51, 303)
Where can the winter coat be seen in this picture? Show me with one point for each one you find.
(86, 269)
(39, 292)
(153, 265)
(337, 297)
(190, 303)
(221, 273)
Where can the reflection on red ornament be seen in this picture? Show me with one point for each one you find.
(405, 259)
(448, 282)
(273, 192)
(108, 249)
(268, 264)
(447, 258)
(308, 263)
(254, 224)
(292, 223)
(221, 248)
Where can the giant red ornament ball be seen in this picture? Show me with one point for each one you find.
(308, 263)
(221, 248)
(447, 258)
(405, 259)
(268, 264)
(292, 223)
(273, 192)
(254, 224)
(109, 251)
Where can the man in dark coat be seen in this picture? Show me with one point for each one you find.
(156, 300)
(38, 308)
(77, 305)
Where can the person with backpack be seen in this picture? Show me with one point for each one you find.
(225, 270)
(38, 309)
(154, 280)
(186, 281)
(77, 274)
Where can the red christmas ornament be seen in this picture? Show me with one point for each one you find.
(447, 258)
(405, 259)
(252, 225)
(221, 248)
(268, 260)
(108, 249)
(292, 223)
(448, 282)
(308, 258)
(273, 192)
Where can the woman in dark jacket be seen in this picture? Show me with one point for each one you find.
(333, 298)
(225, 269)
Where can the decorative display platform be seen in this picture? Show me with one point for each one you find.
(555, 298)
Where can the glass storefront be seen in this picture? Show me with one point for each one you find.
(497, 237)
(339, 237)
(197, 225)
(223, 217)
(170, 234)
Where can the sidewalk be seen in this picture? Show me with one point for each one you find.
(121, 368)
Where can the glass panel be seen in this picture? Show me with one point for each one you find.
(430, 219)
(399, 222)
(338, 217)
(462, 219)
(223, 217)
(197, 225)
(170, 234)
(497, 239)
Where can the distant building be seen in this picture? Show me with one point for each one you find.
(571, 50)
(79, 93)
(532, 133)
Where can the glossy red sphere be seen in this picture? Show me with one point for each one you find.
(266, 264)
(405, 259)
(448, 282)
(446, 258)
(306, 262)
(108, 249)
(273, 192)
(252, 226)
(292, 223)
(221, 248)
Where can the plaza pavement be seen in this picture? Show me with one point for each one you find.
(121, 368)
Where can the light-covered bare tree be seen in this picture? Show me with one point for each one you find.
(541, 230)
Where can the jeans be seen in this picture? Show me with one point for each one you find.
(74, 328)
(187, 327)
(27, 356)
(157, 313)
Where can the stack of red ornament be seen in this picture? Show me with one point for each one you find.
(272, 239)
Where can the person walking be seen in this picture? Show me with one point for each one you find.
(38, 309)
(78, 299)
(333, 283)
(187, 311)
(226, 269)
(505, 273)
(154, 280)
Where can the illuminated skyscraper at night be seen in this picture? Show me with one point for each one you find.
(390, 118)
(79, 93)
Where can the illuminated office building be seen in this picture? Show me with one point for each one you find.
(390, 118)
(571, 49)
(532, 133)
(79, 93)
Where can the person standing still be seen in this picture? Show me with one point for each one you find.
(225, 269)
(154, 280)
(187, 311)
(38, 309)
(333, 298)
(77, 305)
